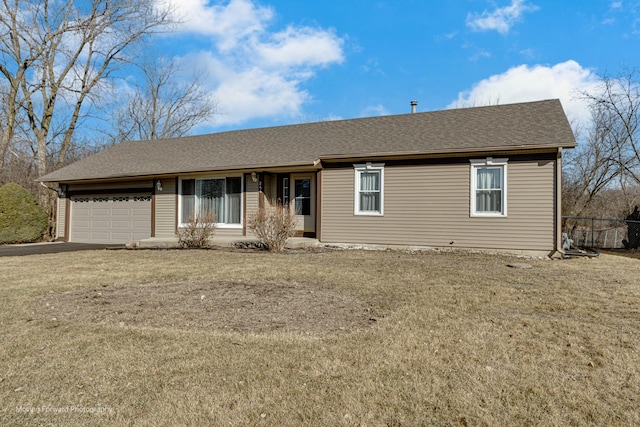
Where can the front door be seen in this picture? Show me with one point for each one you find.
(303, 203)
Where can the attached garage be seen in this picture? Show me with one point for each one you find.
(112, 218)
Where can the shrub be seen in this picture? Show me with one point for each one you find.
(197, 232)
(22, 219)
(272, 226)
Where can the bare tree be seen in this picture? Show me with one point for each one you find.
(618, 101)
(56, 59)
(164, 104)
(15, 61)
(607, 162)
(58, 56)
(590, 168)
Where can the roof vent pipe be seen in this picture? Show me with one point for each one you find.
(414, 104)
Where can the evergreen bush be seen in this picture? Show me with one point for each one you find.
(22, 219)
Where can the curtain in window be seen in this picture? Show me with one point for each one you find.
(232, 209)
(221, 197)
(489, 190)
(211, 197)
(370, 191)
(188, 199)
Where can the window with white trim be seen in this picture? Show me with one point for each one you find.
(369, 189)
(219, 196)
(489, 187)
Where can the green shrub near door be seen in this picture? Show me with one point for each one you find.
(22, 219)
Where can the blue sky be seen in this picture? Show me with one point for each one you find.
(273, 62)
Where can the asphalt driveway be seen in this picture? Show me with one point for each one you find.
(51, 248)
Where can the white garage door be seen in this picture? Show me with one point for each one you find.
(110, 218)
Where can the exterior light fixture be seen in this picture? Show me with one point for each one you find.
(158, 186)
(254, 177)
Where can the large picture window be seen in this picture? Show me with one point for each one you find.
(218, 196)
(369, 189)
(489, 187)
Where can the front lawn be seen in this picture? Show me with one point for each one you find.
(352, 338)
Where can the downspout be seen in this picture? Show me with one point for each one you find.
(557, 241)
(176, 205)
(318, 217)
(48, 188)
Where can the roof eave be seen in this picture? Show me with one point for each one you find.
(311, 164)
(448, 153)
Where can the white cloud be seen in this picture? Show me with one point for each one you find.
(523, 83)
(255, 93)
(501, 19)
(332, 118)
(528, 53)
(482, 53)
(300, 46)
(373, 66)
(229, 24)
(245, 93)
(447, 36)
(255, 72)
(374, 110)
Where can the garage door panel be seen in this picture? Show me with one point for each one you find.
(110, 218)
(123, 237)
(82, 236)
(83, 214)
(99, 236)
(121, 223)
(122, 212)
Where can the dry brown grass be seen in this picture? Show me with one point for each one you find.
(631, 253)
(336, 338)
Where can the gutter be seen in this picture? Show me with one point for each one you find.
(444, 154)
(236, 168)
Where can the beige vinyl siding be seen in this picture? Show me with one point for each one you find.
(165, 221)
(252, 196)
(228, 232)
(252, 199)
(430, 205)
(62, 210)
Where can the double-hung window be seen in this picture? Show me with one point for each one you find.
(489, 187)
(369, 189)
(220, 197)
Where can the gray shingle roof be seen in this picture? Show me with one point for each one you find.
(502, 127)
